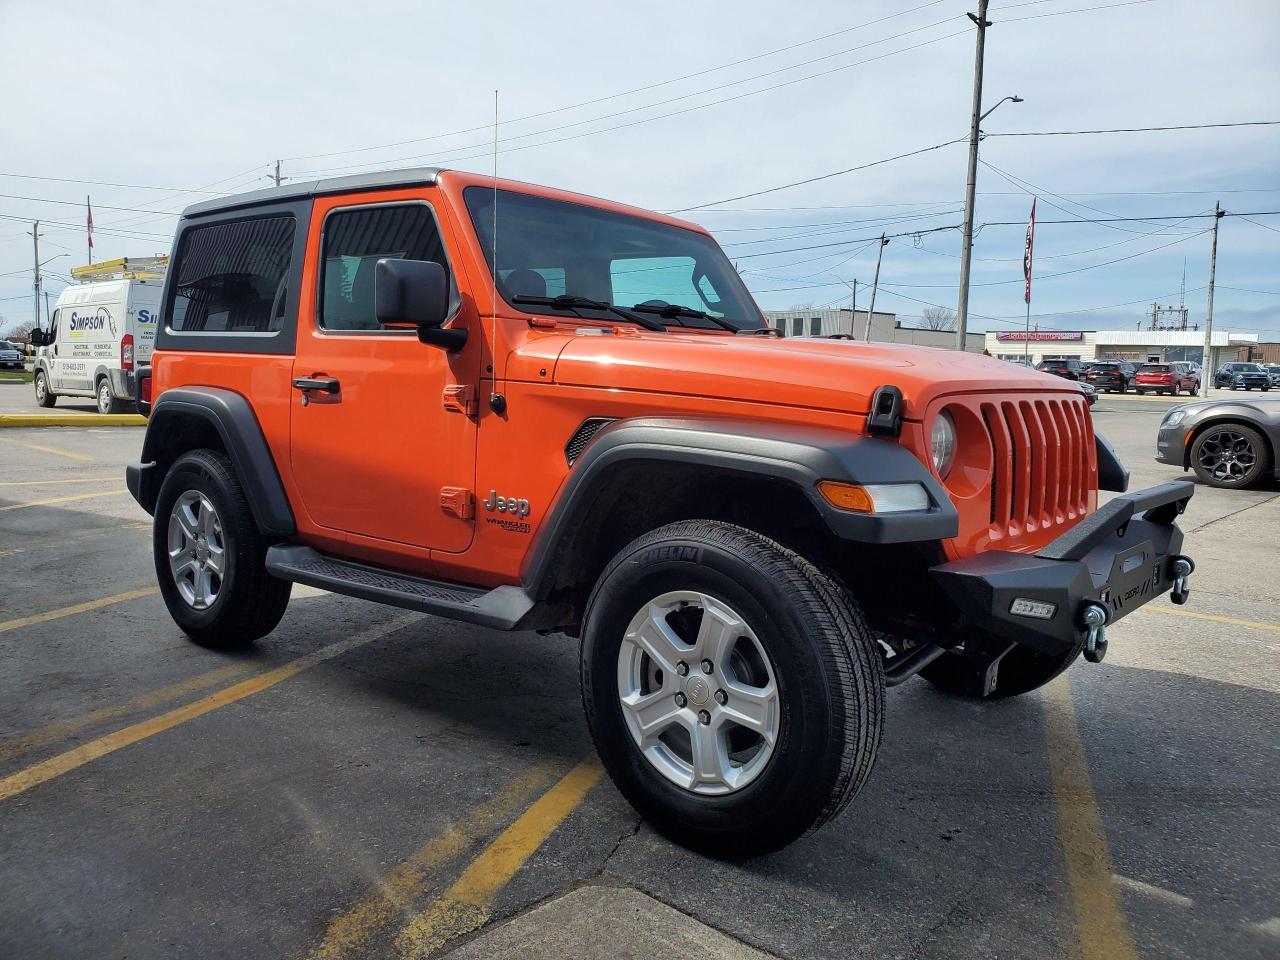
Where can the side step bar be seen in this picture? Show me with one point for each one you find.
(502, 608)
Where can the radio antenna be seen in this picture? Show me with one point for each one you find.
(497, 402)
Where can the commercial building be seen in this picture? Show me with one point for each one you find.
(885, 328)
(1139, 346)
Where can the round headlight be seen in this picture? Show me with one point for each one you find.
(942, 443)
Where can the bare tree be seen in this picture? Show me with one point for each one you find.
(938, 318)
(19, 331)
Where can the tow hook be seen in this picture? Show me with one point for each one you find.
(1179, 569)
(1094, 618)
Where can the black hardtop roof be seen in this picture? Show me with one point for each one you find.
(382, 180)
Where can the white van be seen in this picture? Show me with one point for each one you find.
(100, 331)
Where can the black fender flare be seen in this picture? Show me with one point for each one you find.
(232, 416)
(797, 455)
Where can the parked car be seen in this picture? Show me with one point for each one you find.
(1165, 378)
(608, 441)
(1090, 392)
(1242, 376)
(1069, 367)
(1112, 376)
(1273, 373)
(1228, 443)
(10, 356)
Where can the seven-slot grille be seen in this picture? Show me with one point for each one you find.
(1043, 468)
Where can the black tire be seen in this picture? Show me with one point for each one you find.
(1237, 473)
(249, 602)
(1021, 670)
(45, 397)
(829, 681)
(107, 402)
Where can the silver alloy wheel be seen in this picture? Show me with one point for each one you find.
(104, 397)
(698, 693)
(197, 549)
(1227, 456)
(42, 388)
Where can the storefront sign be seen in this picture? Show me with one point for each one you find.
(1035, 336)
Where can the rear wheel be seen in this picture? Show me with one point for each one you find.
(107, 402)
(1230, 455)
(733, 691)
(44, 396)
(209, 555)
(1020, 671)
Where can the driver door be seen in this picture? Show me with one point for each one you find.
(372, 458)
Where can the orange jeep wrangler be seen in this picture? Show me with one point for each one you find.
(528, 409)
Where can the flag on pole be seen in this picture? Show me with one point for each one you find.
(1026, 253)
(88, 225)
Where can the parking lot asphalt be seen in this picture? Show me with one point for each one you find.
(369, 783)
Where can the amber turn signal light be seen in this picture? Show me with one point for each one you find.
(846, 496)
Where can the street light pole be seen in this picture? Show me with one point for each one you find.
(962, 307)
(1207, 372)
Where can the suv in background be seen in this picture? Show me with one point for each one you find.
(1071, 368)
(1242, 376)
(1110, 375)
(10, 356)
(528, 409)
(1273, 373)
(1169, 378)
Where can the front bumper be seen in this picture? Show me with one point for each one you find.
(1118, 558)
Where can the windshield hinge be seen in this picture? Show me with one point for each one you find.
(461, 398)
(458, 501)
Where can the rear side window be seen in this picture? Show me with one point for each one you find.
(354, 241)
(1154, 368)
(233, 277)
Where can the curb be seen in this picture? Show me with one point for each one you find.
(72, 420)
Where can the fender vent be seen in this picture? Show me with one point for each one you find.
(583, 436)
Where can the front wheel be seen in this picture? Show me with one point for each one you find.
(733, 691)
(44, 396)
(1229, 455)
(210, 555)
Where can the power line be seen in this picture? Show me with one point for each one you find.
(824, 176)
(627, 93)
(105, 183)
(1184, 126)
(78, 203)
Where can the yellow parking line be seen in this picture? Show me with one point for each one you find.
(1213, 617)
(39, 737)
(75, 608)
(56, 766)
(1100, 921)
(52, 500)
(45, 483)
(348, 934)
(465, 906)
(69, 454)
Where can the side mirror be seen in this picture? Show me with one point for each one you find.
(39, 338)
(414, 295)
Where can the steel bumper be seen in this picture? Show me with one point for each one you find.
(1115, 560)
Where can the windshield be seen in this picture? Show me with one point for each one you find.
(1248, 368)
(6, 345)
(553, 248)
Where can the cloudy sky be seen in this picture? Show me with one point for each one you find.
(676, 106)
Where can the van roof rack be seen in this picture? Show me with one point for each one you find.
(123, 268)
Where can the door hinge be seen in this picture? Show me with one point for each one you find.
(458, 501)
(461, 398)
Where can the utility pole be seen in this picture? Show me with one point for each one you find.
(875, 284)
(35, 244)
(277, 177)
(962, 308)
(1206, 367)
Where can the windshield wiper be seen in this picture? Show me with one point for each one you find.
(672, 310)
(569, 302)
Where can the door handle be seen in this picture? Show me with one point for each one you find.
(322, 384)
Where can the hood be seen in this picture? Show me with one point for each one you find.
(836, 375)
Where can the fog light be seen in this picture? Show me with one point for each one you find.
(1035, 609)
